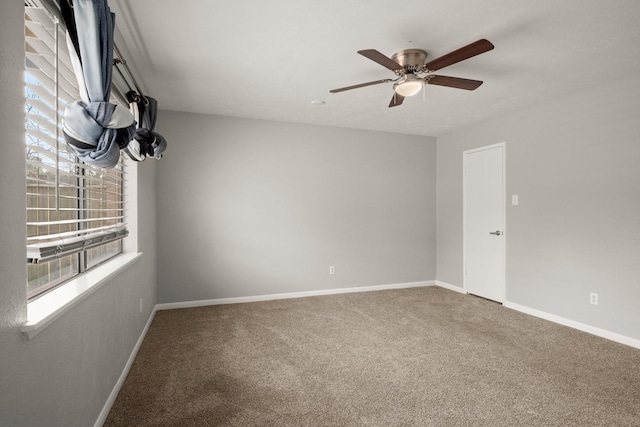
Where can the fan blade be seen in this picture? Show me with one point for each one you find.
(396, 100)
(377, 82)
(466, 52)
(381, 59)
(454, 82)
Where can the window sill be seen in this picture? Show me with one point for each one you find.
(44, 310)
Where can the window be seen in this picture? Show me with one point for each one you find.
(75, 212)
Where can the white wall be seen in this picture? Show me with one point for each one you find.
(64, 375)
(575, 164)
(251, 207)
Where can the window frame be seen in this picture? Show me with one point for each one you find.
(87, 275)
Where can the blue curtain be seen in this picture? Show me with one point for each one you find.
(94, 128)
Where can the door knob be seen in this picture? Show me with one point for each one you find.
(497, 233)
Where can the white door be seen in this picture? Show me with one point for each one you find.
(483, 212)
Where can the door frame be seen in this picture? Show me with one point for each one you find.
(503, 145)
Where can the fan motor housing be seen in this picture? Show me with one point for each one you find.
(410, 57)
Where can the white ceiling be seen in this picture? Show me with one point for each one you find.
(270, 59)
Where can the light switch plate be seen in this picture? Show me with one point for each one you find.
(514, 200)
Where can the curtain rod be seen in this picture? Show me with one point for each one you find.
(121, 61)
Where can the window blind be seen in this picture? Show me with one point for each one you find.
(76, 214)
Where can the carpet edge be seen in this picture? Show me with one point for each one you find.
(602, 333)
(288, 295)
(450, 287)
(102, 417)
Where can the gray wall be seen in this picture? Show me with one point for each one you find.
(575, 163)
(64, 375)
(251, 207)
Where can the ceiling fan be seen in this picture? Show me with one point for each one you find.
(413, 73)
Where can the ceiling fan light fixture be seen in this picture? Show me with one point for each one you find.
(407, 64)
(409, 85)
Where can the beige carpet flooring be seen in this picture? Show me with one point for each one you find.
(409, 357)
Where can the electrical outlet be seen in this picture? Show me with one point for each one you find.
(140, 305)
(332, 269)
(593, 298)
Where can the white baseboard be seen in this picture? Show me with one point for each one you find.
(622, 339)
(116, 389)
(270, 297)
(450, 287)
